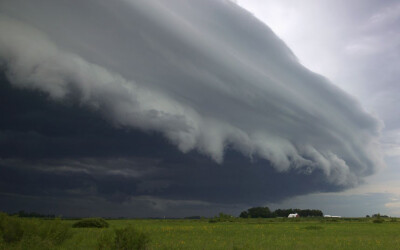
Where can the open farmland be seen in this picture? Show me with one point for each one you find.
(280, 233)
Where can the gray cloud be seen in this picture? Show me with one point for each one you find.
(191, 177)
(206, 74)
(56, 151)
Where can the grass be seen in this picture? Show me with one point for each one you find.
(281, 233)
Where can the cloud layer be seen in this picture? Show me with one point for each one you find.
(205, 74)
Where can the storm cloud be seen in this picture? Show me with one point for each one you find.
(214, 81)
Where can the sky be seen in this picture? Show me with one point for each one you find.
(356, 45)
(137, 108)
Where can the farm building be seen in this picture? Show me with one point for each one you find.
(293, 215)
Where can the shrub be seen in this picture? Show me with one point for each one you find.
(55, 231)
(106, 240)
(127, 238)
(11, 229)
(130, 238)
(34, 242)
(91, 222)
(222, 218)
(26, 233)
(377, 219)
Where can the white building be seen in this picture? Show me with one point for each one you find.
(332, 216)
(293, 215)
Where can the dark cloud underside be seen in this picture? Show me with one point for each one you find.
(118, 164)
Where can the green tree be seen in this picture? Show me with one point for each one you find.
(259, 212)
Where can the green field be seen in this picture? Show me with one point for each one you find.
(238, 234)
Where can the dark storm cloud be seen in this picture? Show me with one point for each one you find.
(231, 183)
(78, 154)
(240, 115)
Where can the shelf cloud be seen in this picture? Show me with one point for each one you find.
(205, 74)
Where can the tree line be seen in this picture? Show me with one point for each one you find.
(24, 214)
(265, 212)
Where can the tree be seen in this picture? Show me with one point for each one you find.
(244, 214)
(259, 212)
(264, 212)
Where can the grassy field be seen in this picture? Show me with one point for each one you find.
(241, 234)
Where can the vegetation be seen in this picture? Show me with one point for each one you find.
(257, 212)
(255, 233)
(23, 233)
(378, 215)
(123, 239)
(222, 218)
(264, 212)
(227, 233)
(91, 222)
(378, 218)
(24, 214)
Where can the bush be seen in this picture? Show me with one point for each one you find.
(55, 231)
(34, 242)
(106, 240)
(222, 218)
(91, 222)
(123, 239)
(26, 233)
(213, 220)
(377, 219)
(11, 229)
(130, 238)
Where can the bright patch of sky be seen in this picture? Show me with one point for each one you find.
(356, 44)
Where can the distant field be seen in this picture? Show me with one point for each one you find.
(250, 234)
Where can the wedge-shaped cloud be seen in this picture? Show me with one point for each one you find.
(205, 73)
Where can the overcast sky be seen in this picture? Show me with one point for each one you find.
(171, 108)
